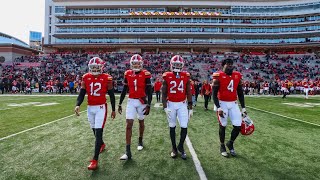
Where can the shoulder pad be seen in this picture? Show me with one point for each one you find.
(85, 75)
(127, 72)
(216, 74)
(109, 77)
(164, 74)
(147, 73)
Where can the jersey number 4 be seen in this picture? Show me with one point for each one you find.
(174, 88)
(94, 88)
(230, 86)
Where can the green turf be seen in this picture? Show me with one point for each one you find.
(280, 148)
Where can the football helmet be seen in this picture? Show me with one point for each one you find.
(247, 126)
(96, 66)
(176, 63)
(136, 63)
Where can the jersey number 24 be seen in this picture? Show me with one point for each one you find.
(176, 86)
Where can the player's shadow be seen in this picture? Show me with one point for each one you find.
(129, 164)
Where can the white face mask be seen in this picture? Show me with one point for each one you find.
(136, 66)
(176, 66)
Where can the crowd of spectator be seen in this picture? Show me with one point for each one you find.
(62, 72)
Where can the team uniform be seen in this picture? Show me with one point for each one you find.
(96, 88)
(176, 89)
(137, 95)
(284, 87)
(227, 96)
(306, 88)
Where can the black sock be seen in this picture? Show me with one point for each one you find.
(98, 134)
(222, 132)
(128, 150)
(173, 138)
(235, 133)
(140, 140)
(183, 135)
(94, 133)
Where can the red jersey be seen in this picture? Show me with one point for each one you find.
(65, 83)
(176, 85)
(96, 87)
(228, 85)
(206, 89)
(285, 85)
(157, 86)
(137, 83)
(193, 91)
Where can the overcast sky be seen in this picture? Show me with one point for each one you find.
(18, 17)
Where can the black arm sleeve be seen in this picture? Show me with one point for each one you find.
(215, 90)
(241, 96)
(81, 97)
(124, 91)
(149, 90)
(112, 99)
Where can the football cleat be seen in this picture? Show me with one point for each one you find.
(230, 147)
(223, 150)
(173, 154)
(183, 153)
(93, 165)
(140, 147)
(126, 156)
(102, 148)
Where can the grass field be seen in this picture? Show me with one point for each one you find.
(280, 148)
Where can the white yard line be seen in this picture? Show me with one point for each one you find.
(195, 159)
(38, 126)
(284, 116)
(5, 109)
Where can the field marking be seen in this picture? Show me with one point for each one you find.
(46, 104)
(5, 109)
(38, 126)
(284, 116)
(158, 105)
(195, 159)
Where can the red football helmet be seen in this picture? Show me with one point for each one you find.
(247, 126)
(96, 66)
(136, 62)
(176, 63)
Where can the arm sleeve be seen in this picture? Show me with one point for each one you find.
(215, 90)
(81, 97)
(149, 90)
(241, 95)
(112, 99)
(124, 91)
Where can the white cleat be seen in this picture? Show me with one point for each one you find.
(140, 148)
(125, 157)
(224, 154)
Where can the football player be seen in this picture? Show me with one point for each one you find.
(227, 84)
(137, 81)
(285, 88)
(96, 84)
(175, 90)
